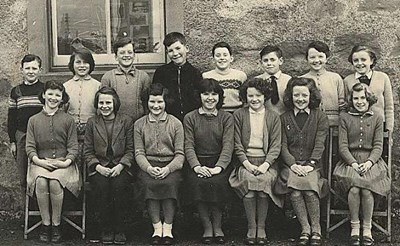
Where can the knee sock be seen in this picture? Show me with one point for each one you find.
(153, 207)
(168, 206)
(250, 206)
(157, 229)
(355, 228)
(167, 230)
(313, 209)
(216, 214)
(205, 219)
(299, 208)
(262, 211)
(43, 200)
(56, 207)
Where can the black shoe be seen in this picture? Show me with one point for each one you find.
(315, 239)
(44, 235)
(355, 240)
(120, 238)
(219, 239)
(168, 240)
(367, 241)
(156, 240)
(250, 241)
(107, 237)
(206, 240)
(304, 239)
(56, 234)
(261, 241)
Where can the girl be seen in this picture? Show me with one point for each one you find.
(362, 173)
(364, 60)
(159, 153)
(52, 146)
(108, 152)
(208, 149)
(228, 78)
(330, 84)
(257, 146)
(304, 130)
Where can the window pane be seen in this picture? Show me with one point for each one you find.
(81, 22)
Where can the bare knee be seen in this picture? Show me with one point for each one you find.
(366, 193)
(310, 193)
(296, 193)
(250, 194)
(55, 187)
(354, 191)
(262, 194)
(42, 185)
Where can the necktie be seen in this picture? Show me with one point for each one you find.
(365, 80)
(301, 119)
(274, 95)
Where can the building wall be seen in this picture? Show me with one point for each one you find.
(247, 25)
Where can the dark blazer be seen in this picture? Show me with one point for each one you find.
(96, 142)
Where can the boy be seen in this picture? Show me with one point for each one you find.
(24, 103)
(271, 60)
(178, 76)
(128, 81)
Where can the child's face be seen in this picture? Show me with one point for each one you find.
(177, 53)
(222, 58)
(106, 106)
(301, 97)
(125, 55)
(156, 105)
(362, 62)
(255, 99)
(30, 71)
(360, 101)
(52, 98)
(81, 67)
(209, 100)
(316, 59)
(271, 63)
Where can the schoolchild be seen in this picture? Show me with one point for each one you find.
(127, 80)
(271, 58)
(52, 147)
(22, 104)
(228, 78)
(159, 152)
(179, 77)
(257, 147)
(304, 130)
(208, 148)
(329, 84)
(364, 60)
(362, 174)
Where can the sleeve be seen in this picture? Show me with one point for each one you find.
(140, 152)
(275, 139)
(106, 79)
(239, 148)
(12, 116)
(225, 156)
(89, 149)
(320, 137)
(190, 150)
(344, 150)
(127, 158)
(288, 158)
(30, 146)
(389, 106)
(340, 91)
(179, 158)
(72, 141)
(157, 77)
(377, 144)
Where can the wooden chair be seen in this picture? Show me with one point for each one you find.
(337, 204)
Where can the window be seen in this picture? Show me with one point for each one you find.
(97, 24)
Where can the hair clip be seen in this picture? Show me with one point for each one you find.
(288, 127)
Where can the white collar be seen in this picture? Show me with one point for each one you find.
(296, 111)
(369, 74)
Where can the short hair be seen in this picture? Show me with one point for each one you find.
(259, 84)
(269, 49)
(173, 37)
(106, 90)
(85, 55)
(54, 85)
(121, 43)
(315, 95)
(222, 45)
(210, 85)
(320, 47)
(371, 98)
(358, 48)
(31, 57)
(155, 89)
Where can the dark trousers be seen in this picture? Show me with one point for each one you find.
(110, 200)
(21, 157)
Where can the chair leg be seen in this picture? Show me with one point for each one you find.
(26, 216)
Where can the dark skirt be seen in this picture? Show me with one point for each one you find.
(376, 179)
(242, 181)
(215, 189)
(289, 180)
(159, 189)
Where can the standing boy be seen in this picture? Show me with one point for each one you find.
(128, 81)
(24, 103)
(271, 60)
(178, 76)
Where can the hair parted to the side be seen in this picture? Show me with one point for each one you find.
(315, 95)
(121, 43)
(54, 85)
(85, 55)
(259, 84)
(106, 90)
(369, 50)
(320, 47)
(269, 49)
(371, 98)
(155, 89)
(222, 45)
(31, 57)
(173, 37)
(210, 85)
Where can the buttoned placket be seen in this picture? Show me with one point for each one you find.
(361, 132)
(319, 89)
(179, 89)
(52, 136)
